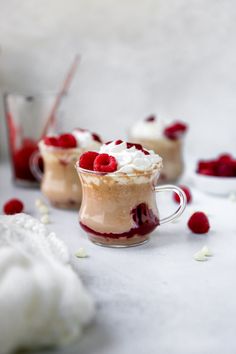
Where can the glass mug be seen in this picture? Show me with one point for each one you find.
(27, 118)
(121, 210)
(172, 153)
(59, 182)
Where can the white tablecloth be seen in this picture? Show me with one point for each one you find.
(154, 298)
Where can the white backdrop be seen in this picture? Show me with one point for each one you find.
(173, 57)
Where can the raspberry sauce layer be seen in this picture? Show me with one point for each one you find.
(145, 222)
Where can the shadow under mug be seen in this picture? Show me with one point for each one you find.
(121, 210)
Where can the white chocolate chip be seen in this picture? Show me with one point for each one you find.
(200, 257)
(81, 253)
(232, 197)
(202, 254)
(45, 219)
(43, 209)
(38, 202)
(205, 250)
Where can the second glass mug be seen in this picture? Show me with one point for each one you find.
(121, 210)
(59, 183)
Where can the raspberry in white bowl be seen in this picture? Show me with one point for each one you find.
(165, 139)
(119, 203)
(216, 176)
(60, 182)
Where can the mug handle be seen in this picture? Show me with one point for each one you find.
(182, 204)
(34, 166)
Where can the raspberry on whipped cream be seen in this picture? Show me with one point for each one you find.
(87, 159)
(105, 163)
(79, 138)
(175, 131)
(123, 157)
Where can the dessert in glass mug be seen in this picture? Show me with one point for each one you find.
(119, 207)
(59, 182)
(165, 139)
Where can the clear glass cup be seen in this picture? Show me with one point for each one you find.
(26, 117)
(59, 182)
(172, 153)
(120, 210)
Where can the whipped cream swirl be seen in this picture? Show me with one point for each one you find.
(145, 129)
(130, 160)
(85, 139)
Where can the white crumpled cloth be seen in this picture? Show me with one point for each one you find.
(42, 300)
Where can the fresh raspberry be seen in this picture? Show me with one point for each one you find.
(96, 137)
(199, 223)
(234, 165)
(207, 167)
(50, 141)
(13, 206)
(118, 142)
(87, 159)
(67, 141)
(225, 158)
(150, 119)
(186, 191)
(207, 172)
(105, 163)
(175, 131)
(225, 170)
(223, 166)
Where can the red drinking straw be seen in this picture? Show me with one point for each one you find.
(65, 87)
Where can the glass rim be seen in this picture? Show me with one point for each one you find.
(117, 174)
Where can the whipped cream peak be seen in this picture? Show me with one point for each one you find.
(84, 138)
(153, 128)
(150, 128)
(131, 157)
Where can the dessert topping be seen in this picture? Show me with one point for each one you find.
(175, 131)
(87, 159)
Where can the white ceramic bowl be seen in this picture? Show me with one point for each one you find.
(223, 186)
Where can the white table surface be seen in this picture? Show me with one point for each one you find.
(154, 298)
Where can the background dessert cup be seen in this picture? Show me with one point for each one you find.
(166, 140)
(60, 183)
(26, 117)
(119, 209)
